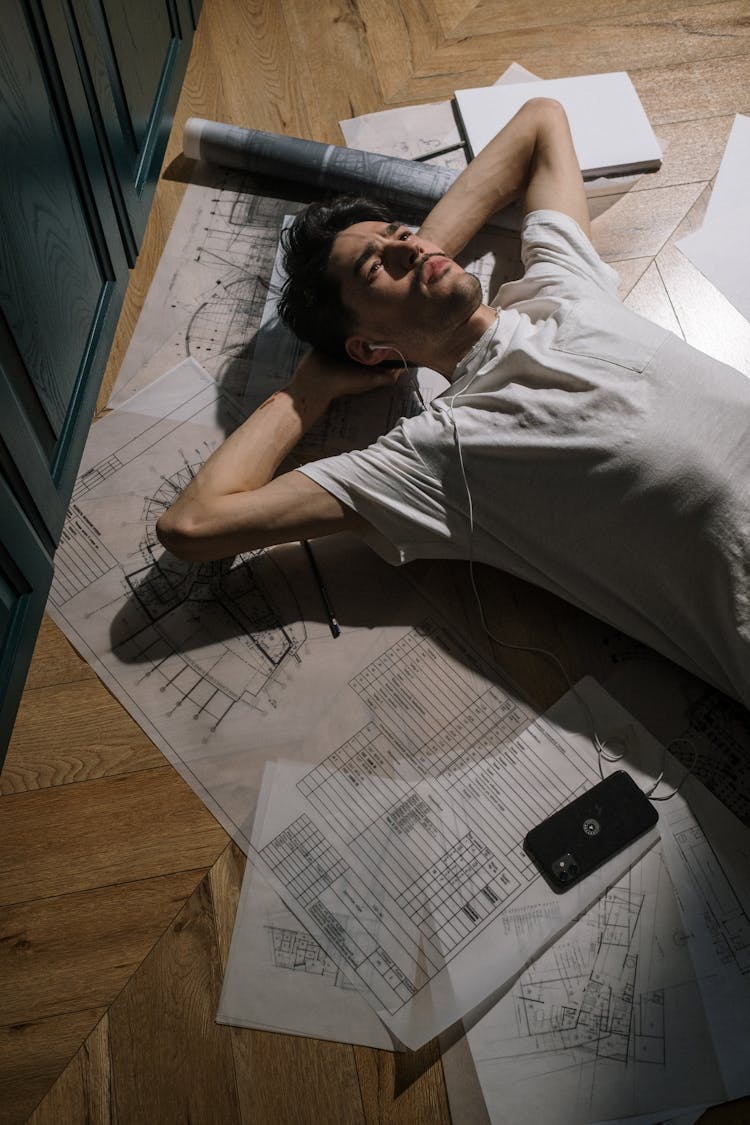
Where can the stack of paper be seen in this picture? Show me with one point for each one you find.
(611, 132)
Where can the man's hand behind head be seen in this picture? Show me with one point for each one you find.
(324, 379)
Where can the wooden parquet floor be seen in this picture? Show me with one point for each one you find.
(117, 887)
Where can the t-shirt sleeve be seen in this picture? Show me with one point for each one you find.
(397, 493)
(557, 256)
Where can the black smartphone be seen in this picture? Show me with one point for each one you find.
(581, 836)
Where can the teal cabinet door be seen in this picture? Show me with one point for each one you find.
(87, 92)
(62, 271)
(132, 58)
(25, 577)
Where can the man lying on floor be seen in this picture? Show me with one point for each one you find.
(579, 446)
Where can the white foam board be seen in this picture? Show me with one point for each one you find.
(610, 129)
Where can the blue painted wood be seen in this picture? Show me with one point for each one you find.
(135, 55)
(25, 577)
(51, 270)
(62, 264)
(87, 89)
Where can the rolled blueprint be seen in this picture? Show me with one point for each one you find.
(404, 183)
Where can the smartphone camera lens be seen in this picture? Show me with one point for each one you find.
(565, 868)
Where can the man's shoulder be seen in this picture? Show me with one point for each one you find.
(554, 245)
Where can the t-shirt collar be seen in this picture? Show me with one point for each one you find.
(492, 341)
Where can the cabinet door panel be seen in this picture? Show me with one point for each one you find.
(62, 270)
(132, 59)
(25, 577)
(52, 274)
(141, 35)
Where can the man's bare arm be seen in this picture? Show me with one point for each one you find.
(532, 159)
(234, 504)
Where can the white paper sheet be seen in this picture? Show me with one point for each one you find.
(607, 1024)
(415, 131)
(640, 1007)
(719, 248)
(402, 854)
(708, 853)
(278, 978)
(610, 129)
(226, 664)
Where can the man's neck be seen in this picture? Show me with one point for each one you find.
(451, 348)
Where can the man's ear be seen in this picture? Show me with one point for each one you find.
(370, 354)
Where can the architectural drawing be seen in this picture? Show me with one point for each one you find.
(204, 655)
(210, 288)
(402, 850)
(279, 978)
(405, 184)
(708, 852)
(210, 635)
(710, 732)
(583, 995)
(295, 950)
(607, 1023)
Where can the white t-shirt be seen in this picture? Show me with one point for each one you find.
(607, 461)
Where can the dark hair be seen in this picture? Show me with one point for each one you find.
(311, 303)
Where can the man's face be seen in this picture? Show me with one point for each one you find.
(398, 285)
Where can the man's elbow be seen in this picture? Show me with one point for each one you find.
(549, 108)
(182, 535)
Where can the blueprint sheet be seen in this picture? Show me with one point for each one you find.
(709, 731)
(401, 851)
(708, 854)
(643, 1006)
(228, 664)
(278, 978)
(606, 1024)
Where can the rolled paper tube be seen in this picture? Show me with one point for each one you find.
(402, 183)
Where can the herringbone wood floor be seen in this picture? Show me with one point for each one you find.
(118, 889)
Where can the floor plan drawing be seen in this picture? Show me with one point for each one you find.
(567, 1000)
(210, 635)
(730, 924)
(204, 655)
(401, 851)
(279, 978)
(210, 288)
(608, 1022)
(295, 950)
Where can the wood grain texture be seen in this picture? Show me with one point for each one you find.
(83, 1093)
(225, 879)
(32, 1053)
(114, 932)
(95, 741)
(356, 88)
(403, 1089)
(77, 951)
(55, 661)
(287, 1080)
(169, 1061)
(102, 832)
